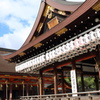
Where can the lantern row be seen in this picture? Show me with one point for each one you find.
(64, 51)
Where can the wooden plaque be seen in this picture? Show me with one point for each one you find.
(53, 22)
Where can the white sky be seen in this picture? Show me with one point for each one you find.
(17, 18)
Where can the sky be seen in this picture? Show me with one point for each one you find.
(17, 18)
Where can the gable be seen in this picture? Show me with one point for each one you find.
(50, 18)
(51, 13)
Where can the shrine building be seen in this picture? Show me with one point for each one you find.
(64, 43)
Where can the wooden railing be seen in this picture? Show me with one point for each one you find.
(91, 95)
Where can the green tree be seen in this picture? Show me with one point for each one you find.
(89, 83)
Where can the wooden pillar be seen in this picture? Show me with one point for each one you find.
(38, 88)
(82, 80)
(32, 90)
(27, 89)
(10, 94)
(74, 78)
(41, 85)
(6, 92)
(97, 60)
(4, 95)
(96, 83)
(20, 89)
(55, 81)
(62, 81)
(23, 88)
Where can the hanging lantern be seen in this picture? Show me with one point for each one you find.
(98, 35)
(63, 48)
(47, 56)
(76, 43)
(86, 39)
(81, 41)
(68, 47)
(72, 47)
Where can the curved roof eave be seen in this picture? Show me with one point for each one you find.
(64, 7)
(52, 4)
(42, 6)
(81, 10)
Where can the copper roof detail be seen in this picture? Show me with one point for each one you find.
(78, 11)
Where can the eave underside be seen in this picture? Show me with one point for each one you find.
(75, 18)
(82, 19)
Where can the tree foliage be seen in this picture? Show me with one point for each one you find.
(89, 83)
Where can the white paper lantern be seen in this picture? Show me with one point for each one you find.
(27, 64)
(53, 54)
(47, 56)
(43, 58)
(23, 65)
(32, 62)
(76, 43)
(20, 68)
(68, 47)
(57, 52)
(86, 39)
(72, 47)
(60, 50)
(50, 55)
(92, 36)
(63, 48)
(81, 41)
(17, 68)
(38, 60)
(98, 34)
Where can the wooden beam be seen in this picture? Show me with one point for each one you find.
(75, 77)
(67, 62)
(90, 73)
(41, 85)
(62, 81)
(75, 16)
(10, 94)
(55, 81)
(82, 80)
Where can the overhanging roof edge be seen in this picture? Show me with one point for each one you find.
(63, 7)
(67, 21)
(42, 6)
